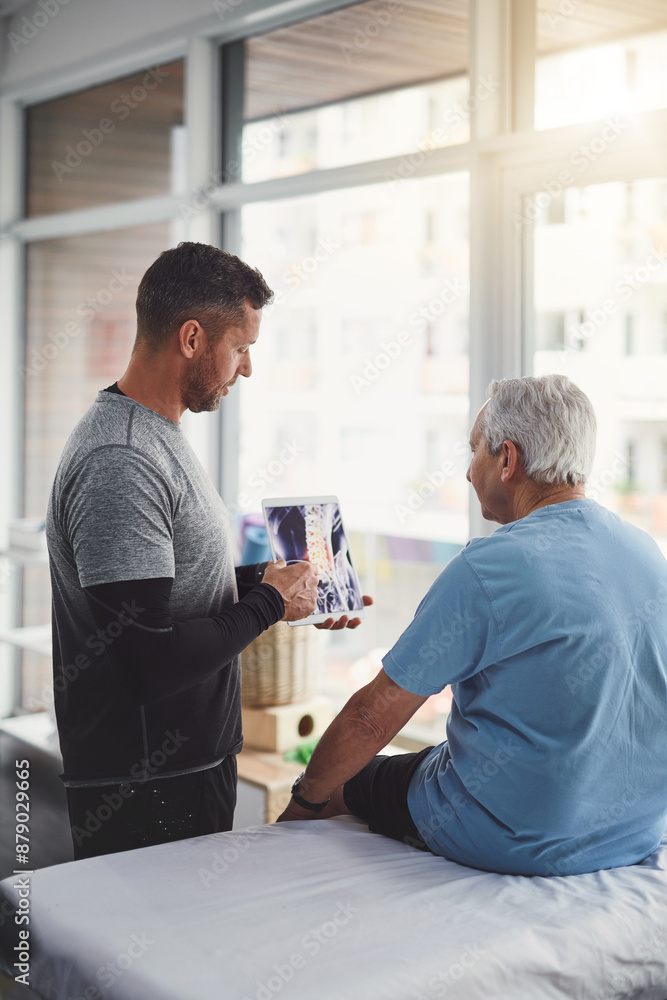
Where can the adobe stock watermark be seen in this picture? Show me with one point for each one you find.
(459, 623)
(303, 270)
(252, 144)
(419, 320)
(378, 21)
(140, 772)
(235, 846)
(7, 570)
(480, 775)
(109, 973)
(39, 358)
(630, 974)
(565, 9)
(604, 652)
(600, 820)
(580, 159)
(624, 289)
(224, 7)
(122, 107)
(617, 468)
(312, 942)
(97, 642)
(437, 137)
(265, 475)
(611, 644)
(432, 481)
(31, 26)
(440, 984)
(473, 781)
(551, 534)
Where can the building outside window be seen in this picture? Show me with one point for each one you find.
(428, 220)
(380, 273)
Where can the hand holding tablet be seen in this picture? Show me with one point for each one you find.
(311, 529)
(296, 584)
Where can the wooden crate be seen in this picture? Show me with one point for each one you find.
(282, 727)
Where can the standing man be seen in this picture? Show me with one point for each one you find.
(149, 614)
(553, 634)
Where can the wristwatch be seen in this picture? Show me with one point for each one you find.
(313, 806)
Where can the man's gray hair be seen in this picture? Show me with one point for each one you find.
(549, 419)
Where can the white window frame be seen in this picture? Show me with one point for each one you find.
(506, 158)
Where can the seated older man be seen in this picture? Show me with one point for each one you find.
(553, 635)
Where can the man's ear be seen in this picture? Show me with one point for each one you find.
(191, 338)
(511, 461)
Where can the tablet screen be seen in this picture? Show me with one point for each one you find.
(311, 528)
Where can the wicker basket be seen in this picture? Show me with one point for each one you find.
(281, 666)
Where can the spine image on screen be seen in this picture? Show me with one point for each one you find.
(314, 532)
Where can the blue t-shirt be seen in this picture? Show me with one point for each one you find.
(553, 635)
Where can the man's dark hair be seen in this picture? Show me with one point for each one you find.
(196, 281)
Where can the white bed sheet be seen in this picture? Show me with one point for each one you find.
(319, 910)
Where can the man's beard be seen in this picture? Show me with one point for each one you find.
(201, 390)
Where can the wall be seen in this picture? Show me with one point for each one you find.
(84, 32)
(85, 38)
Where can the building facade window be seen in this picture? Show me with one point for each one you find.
(380, 273)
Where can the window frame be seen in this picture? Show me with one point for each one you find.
(507, 160)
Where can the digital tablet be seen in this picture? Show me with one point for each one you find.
(311, 529)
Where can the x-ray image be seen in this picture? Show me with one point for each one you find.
(313, 531)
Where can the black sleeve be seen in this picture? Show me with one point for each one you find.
(248, 577)
(155, 657)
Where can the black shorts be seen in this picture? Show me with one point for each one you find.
(111, 818)
(378, 795)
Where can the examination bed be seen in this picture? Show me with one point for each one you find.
(325, 909)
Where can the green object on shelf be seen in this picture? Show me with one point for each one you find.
(302, 753)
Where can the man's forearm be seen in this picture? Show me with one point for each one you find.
(346, 747)
(367, 723)
(248, 577)
(156, 657)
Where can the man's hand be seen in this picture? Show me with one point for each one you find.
(345, 622)
(294, 811)
(296, 584)
(367, 723)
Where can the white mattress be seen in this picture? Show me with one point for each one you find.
(319, 910)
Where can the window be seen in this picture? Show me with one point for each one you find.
(583, 266)
(550, 334)
(110, 144)
(122, 140)
(345, 88)
(80, 326)
(598, 60)
(631, 463)
(379, 273)
(352, 130)
(370, 310)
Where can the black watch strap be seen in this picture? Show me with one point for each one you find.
(312, 806)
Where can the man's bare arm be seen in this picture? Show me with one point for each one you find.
(366, 724)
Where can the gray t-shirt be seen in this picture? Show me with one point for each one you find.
(131, 501)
